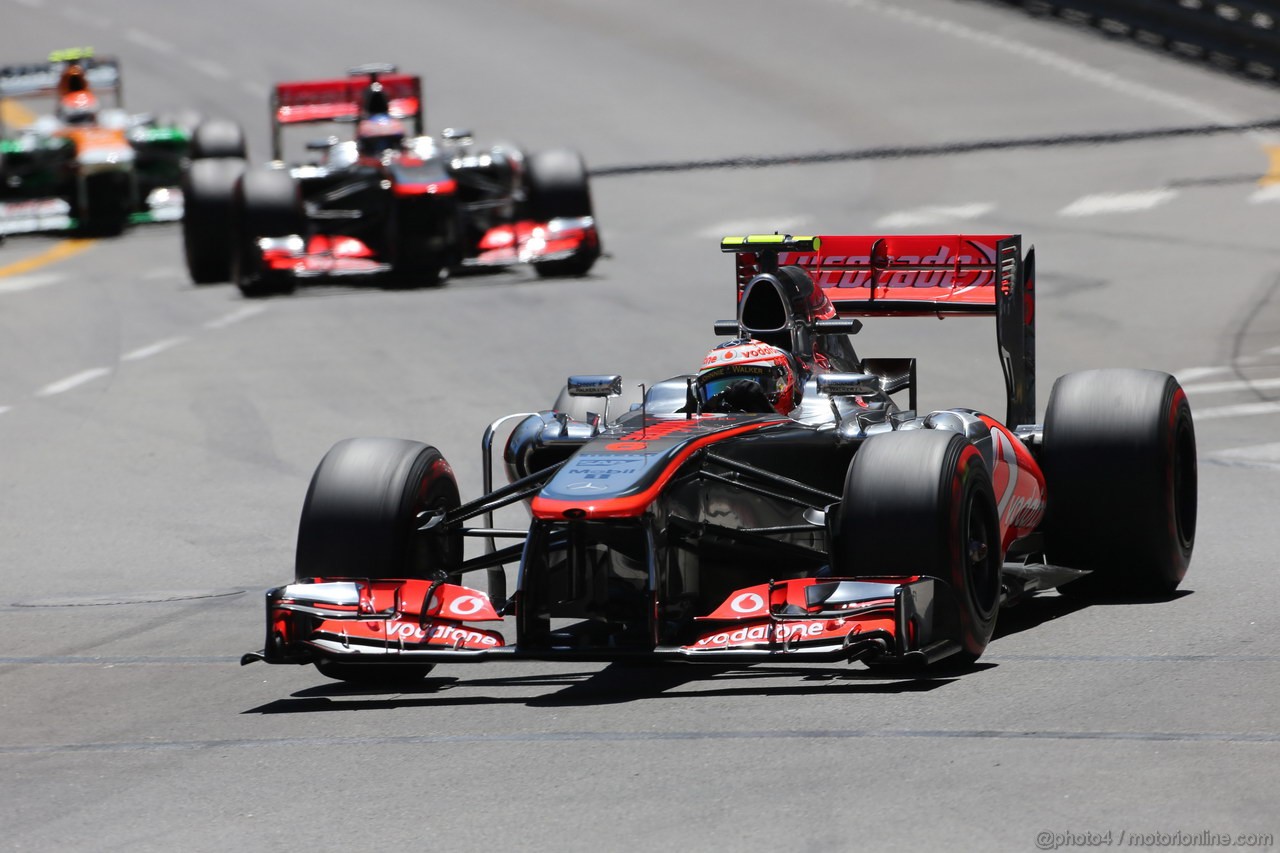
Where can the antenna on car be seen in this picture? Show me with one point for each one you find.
(644, 410)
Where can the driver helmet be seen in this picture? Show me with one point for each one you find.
(79, 107)
(771, 370)
(379, 134)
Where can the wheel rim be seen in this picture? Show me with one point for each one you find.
(982, 570)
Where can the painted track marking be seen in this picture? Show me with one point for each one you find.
(235, 317)
(20, 283)
(934, 215)
(1091, 205)
(1242, 410)
(153, 349)
(73, 381)
(57, 252)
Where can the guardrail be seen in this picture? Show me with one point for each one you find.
(1240, 36)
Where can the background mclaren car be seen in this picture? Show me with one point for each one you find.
(391, 202)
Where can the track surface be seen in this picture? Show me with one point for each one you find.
(158, 439)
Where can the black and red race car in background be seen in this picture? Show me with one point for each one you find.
(848, 527)
(390, 203)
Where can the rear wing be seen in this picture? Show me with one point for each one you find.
(341, 99)
(40, 79)
(919, 276)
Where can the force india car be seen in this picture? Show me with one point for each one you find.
(405, 215)
(96, 170)
(856, 528)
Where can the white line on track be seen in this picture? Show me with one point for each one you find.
(235, 316)
(34, 4)
(934, 215)
(147, 40)
(153, 349)
(74, 381)
(1261, 195)
(212, 69)
(759, 225)
(1091, 205)
(4, 409)
(19, 283)
(1234, 385)
(1190, 374)
(159, 273)
(1243, 410)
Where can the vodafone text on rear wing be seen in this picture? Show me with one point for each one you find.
(919, 276)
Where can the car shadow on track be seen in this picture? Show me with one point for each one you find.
(613, 684)
(1045, 608)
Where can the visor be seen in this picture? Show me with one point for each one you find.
(770, 379)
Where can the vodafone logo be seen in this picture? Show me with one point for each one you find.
(748, 602)
(466, 605)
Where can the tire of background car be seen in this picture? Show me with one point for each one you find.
(268, 203)
(1119, 460)
(921, 502)
(208, 189)
(217, 138)
(579, 407)
(558, 187)
(360, 518)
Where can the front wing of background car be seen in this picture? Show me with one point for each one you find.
(911, 620)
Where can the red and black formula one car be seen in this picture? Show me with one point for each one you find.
(390, 202)
(778, 505)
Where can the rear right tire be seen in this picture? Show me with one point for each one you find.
(1119, 460)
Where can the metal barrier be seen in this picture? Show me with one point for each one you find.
(1240, 36)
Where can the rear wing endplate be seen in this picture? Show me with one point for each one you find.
(40, 79)
(919, 276)
(340, 99)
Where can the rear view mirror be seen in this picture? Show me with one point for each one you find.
(602, 385)
(849, 384)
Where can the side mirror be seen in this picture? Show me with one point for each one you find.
(849, 384)
(455, 133)
(727, 327)
(322, 144)
(837, 326)
(603, 385)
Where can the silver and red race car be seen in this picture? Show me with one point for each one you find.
(389, 203)
(848, 526)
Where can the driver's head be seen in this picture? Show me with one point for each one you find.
(748, 376)
(378, 134)
(79, 107)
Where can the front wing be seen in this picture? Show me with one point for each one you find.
(911, 620)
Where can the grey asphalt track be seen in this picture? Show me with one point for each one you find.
(157, 439)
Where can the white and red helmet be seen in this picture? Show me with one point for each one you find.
(771, 369)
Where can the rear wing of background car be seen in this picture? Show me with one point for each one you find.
(919, 276)
(342, 98)
(40, 79)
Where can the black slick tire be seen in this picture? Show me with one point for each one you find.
(208, 190)
(921, 502)
(558, 187)
(360, 519)
(1119, 459)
